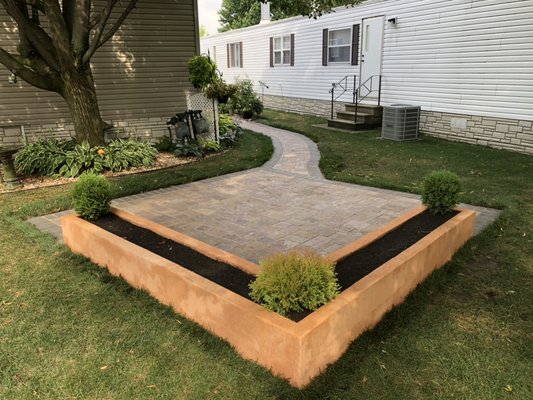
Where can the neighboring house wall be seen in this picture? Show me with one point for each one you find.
(141, 77)
(458, 59)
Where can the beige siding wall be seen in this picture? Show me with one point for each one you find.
(141, 73)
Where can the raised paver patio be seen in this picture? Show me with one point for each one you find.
(283, 204)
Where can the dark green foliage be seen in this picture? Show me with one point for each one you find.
(295, 281)
(122, 154)
(82, 158)
(202, 71)
(44, 157)
(165, 144)
(91, 196)
(197, 148)
(220, 91)
(56, 158)
(245, 101)
(441, 191)
(235, 14)
(189, 149)
(229, 131)
(208, 145)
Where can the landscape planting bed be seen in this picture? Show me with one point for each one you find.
(297, 351)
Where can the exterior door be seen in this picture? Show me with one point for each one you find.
(371, 53)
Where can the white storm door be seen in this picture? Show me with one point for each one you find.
(371, 53)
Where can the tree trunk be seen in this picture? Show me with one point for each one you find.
(80, 94)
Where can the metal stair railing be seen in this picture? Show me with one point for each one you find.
(343, 85)
(370, 89)
(356, 99)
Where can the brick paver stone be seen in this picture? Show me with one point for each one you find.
(285, 203)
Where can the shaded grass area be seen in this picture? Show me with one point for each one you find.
(68, 329)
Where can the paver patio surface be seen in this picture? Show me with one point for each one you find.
(281, 205)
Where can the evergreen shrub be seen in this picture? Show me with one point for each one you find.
(91, 196)
(441, 191)
(295, 281)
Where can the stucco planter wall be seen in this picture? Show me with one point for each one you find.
(297, 351)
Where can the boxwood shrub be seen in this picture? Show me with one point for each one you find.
(441, 191)
(295, 281)
(91, 196)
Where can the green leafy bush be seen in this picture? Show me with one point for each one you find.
(165, 144)
(44, 157)
(295, 281)
(202, 71)
(208, 145)
(91, 196)
(82, 158)
(245, 101)
(220, 91)
(52, 157)
(122, 154)
(189, 149)
(229, 130)
(441, 191)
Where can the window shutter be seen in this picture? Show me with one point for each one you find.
(240, 55)
(227, 52)
(292, 49)
(325, 47)
(355, 44)
(271, 52)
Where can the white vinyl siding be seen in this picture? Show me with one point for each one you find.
(457, 56)
(339, 45)
(140, 73)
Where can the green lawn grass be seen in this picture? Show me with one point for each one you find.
(68, 329)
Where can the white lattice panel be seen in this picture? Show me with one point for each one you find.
(198, 101)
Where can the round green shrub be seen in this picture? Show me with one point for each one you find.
(202, 71)
(91, 196)
(244, 101)
(296, 281)
(441, 191)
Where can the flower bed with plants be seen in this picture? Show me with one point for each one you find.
(325, 307)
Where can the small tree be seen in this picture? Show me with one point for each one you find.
(56, 55)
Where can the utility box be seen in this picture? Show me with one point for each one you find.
(400, 122)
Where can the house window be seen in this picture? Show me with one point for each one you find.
(339, 44)
(282, 50)
(235, 55)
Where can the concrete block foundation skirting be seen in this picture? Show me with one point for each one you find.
(501, 133)
(296, 351)
(143, 128)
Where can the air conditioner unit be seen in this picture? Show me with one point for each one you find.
(400, 122)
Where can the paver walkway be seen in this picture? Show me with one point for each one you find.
(283, 204)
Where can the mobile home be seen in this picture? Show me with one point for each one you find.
(467, 63)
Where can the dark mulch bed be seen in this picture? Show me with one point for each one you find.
(349, 270)
(225, 275)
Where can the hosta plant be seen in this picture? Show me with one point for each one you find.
(52, 157)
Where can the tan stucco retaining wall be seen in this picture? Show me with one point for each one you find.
(295, 351)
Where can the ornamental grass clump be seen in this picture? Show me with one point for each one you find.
(441, 191)
(295, 281)
(91, 196)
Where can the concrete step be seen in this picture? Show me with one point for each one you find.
(351, 126)
(362, 117)
(365, 108)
